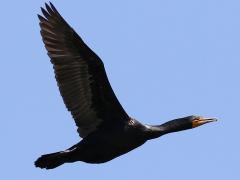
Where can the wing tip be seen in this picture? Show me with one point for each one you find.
(53, 7)
(50, 11)
(41, 18)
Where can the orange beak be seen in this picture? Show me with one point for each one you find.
(200, 121)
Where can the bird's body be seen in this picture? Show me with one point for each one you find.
(110, 142)
(105, 127)
(105, 144)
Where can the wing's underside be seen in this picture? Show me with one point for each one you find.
(80, 75)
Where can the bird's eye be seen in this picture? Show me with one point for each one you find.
(197, 119)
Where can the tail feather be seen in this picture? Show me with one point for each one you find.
(50, 161)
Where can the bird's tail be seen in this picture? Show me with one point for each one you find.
(50, 161)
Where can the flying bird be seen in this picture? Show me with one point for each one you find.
(107, 131)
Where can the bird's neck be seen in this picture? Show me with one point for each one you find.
(168, 127)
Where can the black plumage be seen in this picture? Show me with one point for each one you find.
(105, 127)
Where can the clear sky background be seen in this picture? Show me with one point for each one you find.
(164, 59)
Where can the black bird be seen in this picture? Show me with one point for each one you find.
(105, 127)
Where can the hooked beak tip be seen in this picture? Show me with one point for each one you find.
(207, 120)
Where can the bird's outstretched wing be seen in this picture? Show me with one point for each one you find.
(80, 75)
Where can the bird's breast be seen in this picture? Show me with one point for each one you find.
(106, 145)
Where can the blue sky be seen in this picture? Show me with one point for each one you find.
(165, 59)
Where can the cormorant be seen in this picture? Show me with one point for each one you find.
(105, 128)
